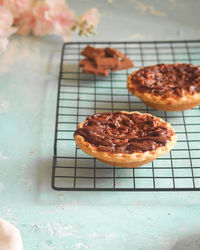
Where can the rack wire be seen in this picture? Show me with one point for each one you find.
(81, 95)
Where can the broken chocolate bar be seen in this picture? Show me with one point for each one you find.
(96, 71)
(106, 62)
(114, 53)
(92, 53)
(124, 64)
(84, 62)
(99, 61)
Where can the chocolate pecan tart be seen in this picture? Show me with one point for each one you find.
(168, 87)
(127, 139)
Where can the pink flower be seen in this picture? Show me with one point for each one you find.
(91, 17)
(6, 29)
(17, 7)
(43, 17)
(42, 26)
(6, 22)
(25, 23)
(53, 17)
(61, 17)
(21, 11)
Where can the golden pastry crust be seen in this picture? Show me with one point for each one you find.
(171, 103)
(124, 159)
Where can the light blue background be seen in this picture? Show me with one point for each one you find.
(84, 220)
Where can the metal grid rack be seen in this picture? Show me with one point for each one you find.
(81, 95)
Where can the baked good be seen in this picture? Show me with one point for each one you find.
(168, 87)
(127, 139)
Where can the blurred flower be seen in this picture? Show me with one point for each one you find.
(87, 22)
(6, 29)
(6, 22)
(17, 7)
(61, 17)
(43, 17)
(25, 23)
(42, 25)
(91, 17)
(53, 17)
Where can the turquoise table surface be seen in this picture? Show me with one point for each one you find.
(52, 220)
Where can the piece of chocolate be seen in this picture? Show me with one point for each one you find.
(99, 61)
(114, 53)
(90, 69)
(124, 64)
(92, 53)
(106, 62)
(84, 62)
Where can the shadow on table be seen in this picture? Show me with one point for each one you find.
(191, 242)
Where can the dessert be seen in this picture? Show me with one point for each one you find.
(100, 61)
(168, 87)
(127, 139)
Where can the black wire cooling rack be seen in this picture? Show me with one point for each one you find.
(81, 95)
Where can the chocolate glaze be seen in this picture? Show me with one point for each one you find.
(124, 133)
(168, 79)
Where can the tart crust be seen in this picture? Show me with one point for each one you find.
(172, 103)
(131, 160)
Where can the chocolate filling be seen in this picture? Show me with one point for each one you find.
(124, 133)
(168, 79)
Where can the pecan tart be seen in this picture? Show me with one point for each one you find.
(127, 139)
(167, 87)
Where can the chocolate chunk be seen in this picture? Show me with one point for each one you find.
(84, 62)
(114, 53)
(124, 64)
(92, 52)
(106, 62)
(99, 60)
(90, 69)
